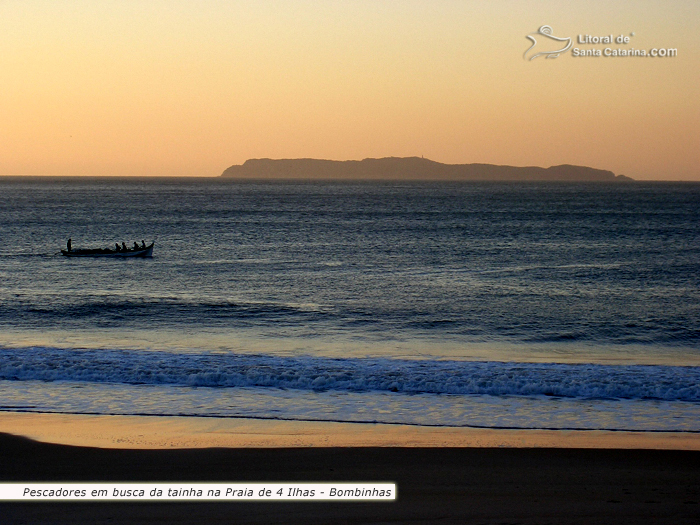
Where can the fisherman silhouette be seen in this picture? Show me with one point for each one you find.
(546, 31)
(69, 244)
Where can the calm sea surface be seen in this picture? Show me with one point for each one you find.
(516, 305)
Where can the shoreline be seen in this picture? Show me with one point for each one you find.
(443, 476)
(438, 485)
(169, 432)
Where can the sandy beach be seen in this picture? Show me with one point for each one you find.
(152, 432)
(442, 475)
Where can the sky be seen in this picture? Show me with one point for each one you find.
(188, 88)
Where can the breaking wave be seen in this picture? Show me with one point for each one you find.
(581, 381)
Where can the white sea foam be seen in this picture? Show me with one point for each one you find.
(581, 381)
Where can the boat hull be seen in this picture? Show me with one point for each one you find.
(146, 252)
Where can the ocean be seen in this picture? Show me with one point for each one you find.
(486, 305)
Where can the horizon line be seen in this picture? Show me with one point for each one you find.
(234, 179)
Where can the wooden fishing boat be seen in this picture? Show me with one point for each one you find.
(102, 252)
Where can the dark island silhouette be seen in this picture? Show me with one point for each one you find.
(411, 168)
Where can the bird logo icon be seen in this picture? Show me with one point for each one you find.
(546, 32)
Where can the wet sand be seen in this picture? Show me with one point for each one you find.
(151, 432)
(436, 484)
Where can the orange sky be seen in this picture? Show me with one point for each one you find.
(188, 88)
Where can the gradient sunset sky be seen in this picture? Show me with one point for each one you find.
(188, 88)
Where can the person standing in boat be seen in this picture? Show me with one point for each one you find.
(143, 244)
(69, 244)
(124, 247)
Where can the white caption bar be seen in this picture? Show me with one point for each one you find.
(197, 491)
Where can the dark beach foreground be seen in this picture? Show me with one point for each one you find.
(435, 485)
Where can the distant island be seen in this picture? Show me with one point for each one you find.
(411, 168)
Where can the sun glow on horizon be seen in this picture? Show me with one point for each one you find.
(189, 88)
